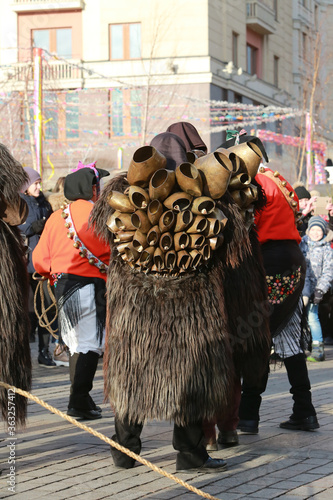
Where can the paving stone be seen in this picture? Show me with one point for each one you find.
(268, 493)
(323, 495)
(56, 460)
(306, 491)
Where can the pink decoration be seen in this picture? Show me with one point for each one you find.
(317, 148)
(90, 165)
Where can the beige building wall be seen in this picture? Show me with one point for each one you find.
(8, 34)
(176, 27)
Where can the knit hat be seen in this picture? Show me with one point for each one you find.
(33, 177)
(302, 192)
(316, 220)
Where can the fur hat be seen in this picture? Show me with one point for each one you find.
(316, 220)
(33, 177)
(189, 134)
(302, 192)
(172, 147)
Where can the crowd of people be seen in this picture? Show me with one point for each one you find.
(173, 341)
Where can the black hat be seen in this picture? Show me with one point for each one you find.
(78, 185)
(172, 147)
(302, 192)
(243, 137)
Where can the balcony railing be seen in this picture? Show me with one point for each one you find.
(53, 72)
(260, 17)
(35, 5)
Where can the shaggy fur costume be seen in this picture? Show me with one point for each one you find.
(172, 344)
(57, 200)
(15, 362)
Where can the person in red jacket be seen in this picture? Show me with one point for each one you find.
(75, 260)
(285, 268)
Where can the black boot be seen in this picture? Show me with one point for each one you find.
(192, 455)
(304, 415)
(128, 435)
(72, 367)
(45, 359)
(81, 404)
(250, 405)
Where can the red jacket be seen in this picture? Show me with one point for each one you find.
(55, 252)
(277, 220)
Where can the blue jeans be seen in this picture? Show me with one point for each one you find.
(314, 323)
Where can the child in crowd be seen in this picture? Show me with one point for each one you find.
(319, 255)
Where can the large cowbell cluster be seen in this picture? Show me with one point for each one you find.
(167, 221)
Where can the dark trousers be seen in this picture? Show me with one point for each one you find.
(300, 386)
(82, 369)
(251, 398)
(300, 389)
(187, 440)
(325, 312)
(43, 333)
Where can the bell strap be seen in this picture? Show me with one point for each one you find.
(79, 245)
(289, 195)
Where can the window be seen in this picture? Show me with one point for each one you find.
(117, 112)
(64, 43)
(238, 97)
(235, 49)
(60, 116)
(26, 133)
(275, 8)
(316, 17)
(56, 40)
(276, 71)
(125, 41)
(304, 46)
(278, 147)
(50, 115)
(125, 112)
(41, 39)
(72, 116)
(135, 112)
(251, 59)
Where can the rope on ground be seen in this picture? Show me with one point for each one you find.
(107, 440)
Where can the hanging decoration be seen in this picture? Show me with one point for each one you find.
(315, 151)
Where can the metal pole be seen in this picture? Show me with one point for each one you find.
(38, 75)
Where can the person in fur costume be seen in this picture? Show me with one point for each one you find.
(15, 362)
(57, 197)
(173, 348)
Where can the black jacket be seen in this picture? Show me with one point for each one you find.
(39, 211)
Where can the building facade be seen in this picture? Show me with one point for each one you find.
(117, 73)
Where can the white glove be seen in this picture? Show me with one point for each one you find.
(305, 300)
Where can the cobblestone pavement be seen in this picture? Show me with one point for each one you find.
(55, 460)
